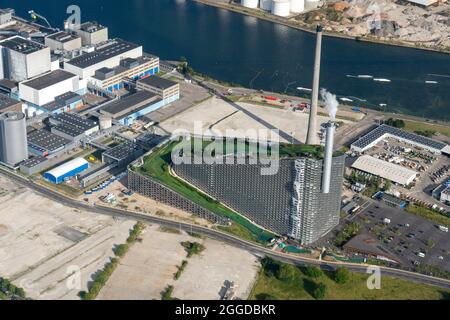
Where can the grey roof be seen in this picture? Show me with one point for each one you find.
(5, 83)
(33, 162)
(122, 151)
(91, 26)
(112, 49)
(63, 36)
(158, 82)
(22, 45)
(43, 139)
(129, 102)
(385, 129)
(48, 79)
(6, 102)
(126, 64)
(69, 130)
(74, 120)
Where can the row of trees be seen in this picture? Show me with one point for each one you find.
(9, 290)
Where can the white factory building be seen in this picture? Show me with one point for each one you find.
(386, 170)
(383, 132)
(107, 55)
(281, 8)
(43, 89)
(22, 59)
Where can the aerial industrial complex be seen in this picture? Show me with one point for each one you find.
(81, 111)
(73, 89)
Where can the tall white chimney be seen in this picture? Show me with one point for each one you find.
(328, 157)
(312, 125)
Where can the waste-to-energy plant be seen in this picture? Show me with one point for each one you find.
(300, 200)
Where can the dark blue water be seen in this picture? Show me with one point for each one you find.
(263, 55)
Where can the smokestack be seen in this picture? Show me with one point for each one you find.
(312, 125)
(328, 158)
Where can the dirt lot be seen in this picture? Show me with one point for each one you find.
(42, 243)
(150, 265)
(220, 115)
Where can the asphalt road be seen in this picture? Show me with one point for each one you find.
(224, 237)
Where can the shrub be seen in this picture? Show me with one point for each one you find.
(341, 275)
(312, 272)
(320, 291)
(285, 272)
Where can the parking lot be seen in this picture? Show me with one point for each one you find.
(406, 235)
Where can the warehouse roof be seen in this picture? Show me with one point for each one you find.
(67, 167)
(158, 82)
(22, 45)
(62, 101)
(45, 140)
(48, 79)
(33, 162)
(114, 48)
(91, 26)
(384, 169)
(384, 130)
(63, 36)
(74, 120)
(122, 151)
(69, 130)
(130, 103)
(6, 102)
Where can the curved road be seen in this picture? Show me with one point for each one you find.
(224, 237)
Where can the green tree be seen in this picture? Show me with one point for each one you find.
(312, 272)
(320, 291)
(286, 272)
(387, 185)
(341, 275)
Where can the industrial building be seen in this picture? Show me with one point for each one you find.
(67, 170)
(386, 170)
(112, 79)
(128, 109)
(92, 33)
(34, 165)
(107, 55)
(63, 41)
(9, 105)
(44, 89)
(9, 88)
(290, 202)
(71, 126)
(13, 138)
(44, 143)
(6, 17)
(69, 101)
(442, 192)
(23, 59)
(384, 131)
(167, 89)
(123, 154)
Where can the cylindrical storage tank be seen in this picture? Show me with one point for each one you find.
(105, 122)
(13, 138)
(265, 5)
(281, 8)
(297, 6)
(250, 3)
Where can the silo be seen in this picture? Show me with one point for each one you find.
(250, 3)
(265, 5)
(297, 6)
(13, 138)
(281, 8)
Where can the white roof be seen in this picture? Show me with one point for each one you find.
(446, 150)
(424, 2)
(384, 169)
(67, 167)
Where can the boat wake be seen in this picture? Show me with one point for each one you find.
(346, 99)
(439, 75)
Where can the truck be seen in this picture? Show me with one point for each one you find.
(443, 228)
(386, 221)
(421, 254)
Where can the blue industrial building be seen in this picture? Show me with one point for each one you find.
(67, 170)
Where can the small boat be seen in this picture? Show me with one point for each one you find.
(381, 80)
(431, 82)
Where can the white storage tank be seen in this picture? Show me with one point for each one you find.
(297, 6)
(250, 3)
(281, 8)
(13, 138)
(265, 5)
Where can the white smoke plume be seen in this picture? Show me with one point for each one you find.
(331, 103)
